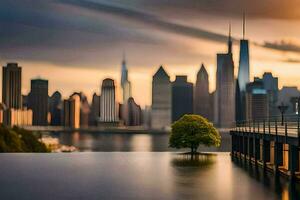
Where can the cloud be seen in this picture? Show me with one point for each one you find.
(149, 19)
(291, 60)
(77, 32)
(282, 46)
(274, 9)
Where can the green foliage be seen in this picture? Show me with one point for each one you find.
(19, 140)
(192, 130)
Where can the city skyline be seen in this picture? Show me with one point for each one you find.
(181, 52)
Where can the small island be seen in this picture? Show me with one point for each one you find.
(192, 130)
(17, 140)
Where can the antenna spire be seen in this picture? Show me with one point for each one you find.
(244, 25)
(229, 40)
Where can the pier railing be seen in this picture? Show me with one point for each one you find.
(288, 125)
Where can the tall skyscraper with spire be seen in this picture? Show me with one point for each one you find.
(125, 83)
(201, 94)
(243, 74)
(224, 97)
(126, 92)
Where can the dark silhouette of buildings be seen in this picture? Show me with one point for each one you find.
(161, 100)
(38, 102)
(271, 86)
(11, 86)
(134, 113)
(95, 110)
(182, 97)
(201, 94)
(225, 90)
(55, 108)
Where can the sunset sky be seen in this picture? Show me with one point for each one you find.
(75, 44)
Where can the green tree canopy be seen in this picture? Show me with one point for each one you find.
(192, 130)
(19, 140)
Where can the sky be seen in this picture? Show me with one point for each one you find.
(75, 44)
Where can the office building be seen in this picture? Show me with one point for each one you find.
(243, 76)
(95, 110)
(201, 94)
(271, 86)
(55, 108)
(72, 111)
(108, 108)
(182, 98)
(257, 104)
(134, 113)
(225, 90)
(161, 100)
(11, 85)
(38, 102)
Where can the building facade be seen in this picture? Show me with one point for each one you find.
(182, 98)
(257, 104)
(201, 94)
(134, 113)
(271, 86)
(12, 85)
(55, 108)
(161, 112)
(108, 108)
(38, 102)
(95, 110)
(72, 111)
(225, 89)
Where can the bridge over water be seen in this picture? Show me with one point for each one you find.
(272, 143)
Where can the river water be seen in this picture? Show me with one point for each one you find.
(135, 167)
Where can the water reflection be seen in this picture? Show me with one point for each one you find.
(284, 188)
(85, 141)
(196, 161)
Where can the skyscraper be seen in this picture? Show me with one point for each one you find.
(84, 109)
(108, 111)
(38, 101)
(243, 74)
(257, 107)
(271, 86)
(182, 97)
(11, 86)
(126, 91)
(201, 94)
(161, 100)
(125, 83)
(95, 110)
(134, 113)
(72, 111)
(55, 108)
(225, 98)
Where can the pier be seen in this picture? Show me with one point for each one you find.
(272, 144)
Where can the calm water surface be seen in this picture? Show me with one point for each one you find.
(135, 175)
(111, 142)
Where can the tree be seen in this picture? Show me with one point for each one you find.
(192, 130)
(19, 140)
